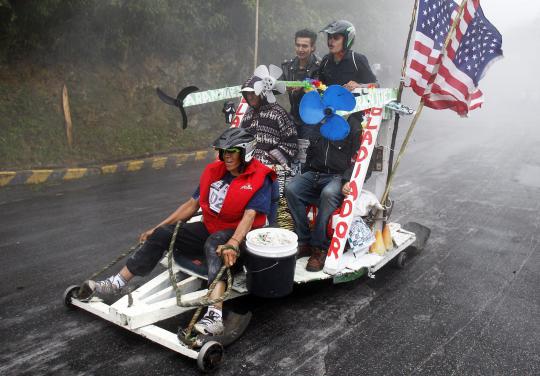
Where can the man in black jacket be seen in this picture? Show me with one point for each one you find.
(330, 163)
(304, 65)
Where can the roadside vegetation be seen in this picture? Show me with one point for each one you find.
(111, 55)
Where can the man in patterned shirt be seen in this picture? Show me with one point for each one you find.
(270, 124)
(277, 139)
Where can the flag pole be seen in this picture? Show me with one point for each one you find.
(421, 104)
(406, 52)
(400, 91)
(256, 49)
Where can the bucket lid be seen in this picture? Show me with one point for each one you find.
(272, 242)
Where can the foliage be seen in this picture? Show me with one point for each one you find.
(111, 54)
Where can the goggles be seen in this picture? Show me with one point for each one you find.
(230, 151)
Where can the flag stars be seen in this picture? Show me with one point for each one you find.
(478, 45)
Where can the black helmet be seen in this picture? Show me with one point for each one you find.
(236, 138)
(344, 28)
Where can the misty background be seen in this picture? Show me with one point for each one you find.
(112, 54)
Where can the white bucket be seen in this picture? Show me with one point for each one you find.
(270, 262)
(272, 242)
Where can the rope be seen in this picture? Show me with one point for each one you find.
(115, 261)
(200, 303)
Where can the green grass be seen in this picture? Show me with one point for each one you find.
(116, 115)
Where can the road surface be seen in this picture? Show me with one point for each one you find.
(468, 304)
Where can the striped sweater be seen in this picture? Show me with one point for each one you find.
(273, 130)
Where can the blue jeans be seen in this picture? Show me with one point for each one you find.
(272, 216)
(320, 189)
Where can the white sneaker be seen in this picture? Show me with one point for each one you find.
(211, 324)
(90, 288)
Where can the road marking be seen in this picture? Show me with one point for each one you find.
(39, 176)
(75, 173)
(200, 155)
(6, 177)
(159, 163)
(109, 169)
(134, 165)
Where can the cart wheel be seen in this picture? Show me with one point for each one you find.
(71, 292)
(210, 356)
(399, 261)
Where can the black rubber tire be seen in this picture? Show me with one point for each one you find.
(71, 292)
(400, 260)
(210, 356)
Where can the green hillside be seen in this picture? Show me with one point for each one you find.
(112, 54)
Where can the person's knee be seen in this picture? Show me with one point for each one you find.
(292, 189)
(214, 240)
(161, 235)
(289, 189)
(331, 193)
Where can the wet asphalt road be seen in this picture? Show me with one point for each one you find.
(468, 304)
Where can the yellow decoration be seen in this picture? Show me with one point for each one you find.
(378, 247)
(387, 237)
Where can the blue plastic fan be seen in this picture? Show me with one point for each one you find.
(315, 109)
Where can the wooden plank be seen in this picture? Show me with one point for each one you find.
(67, 117)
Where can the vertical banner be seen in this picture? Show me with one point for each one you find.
(240, 112)
(363, 156)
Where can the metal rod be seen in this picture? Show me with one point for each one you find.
(421, 105)
(256, 51)
(400, 91)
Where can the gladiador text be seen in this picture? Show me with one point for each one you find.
(363, 156)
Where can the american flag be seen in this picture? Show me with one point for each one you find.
(473, 47)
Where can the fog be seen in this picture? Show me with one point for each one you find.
(112, 55)
(510, 85)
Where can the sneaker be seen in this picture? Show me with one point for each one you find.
(211, 324)
(304, 250)
(316, 260)
(90, 288)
